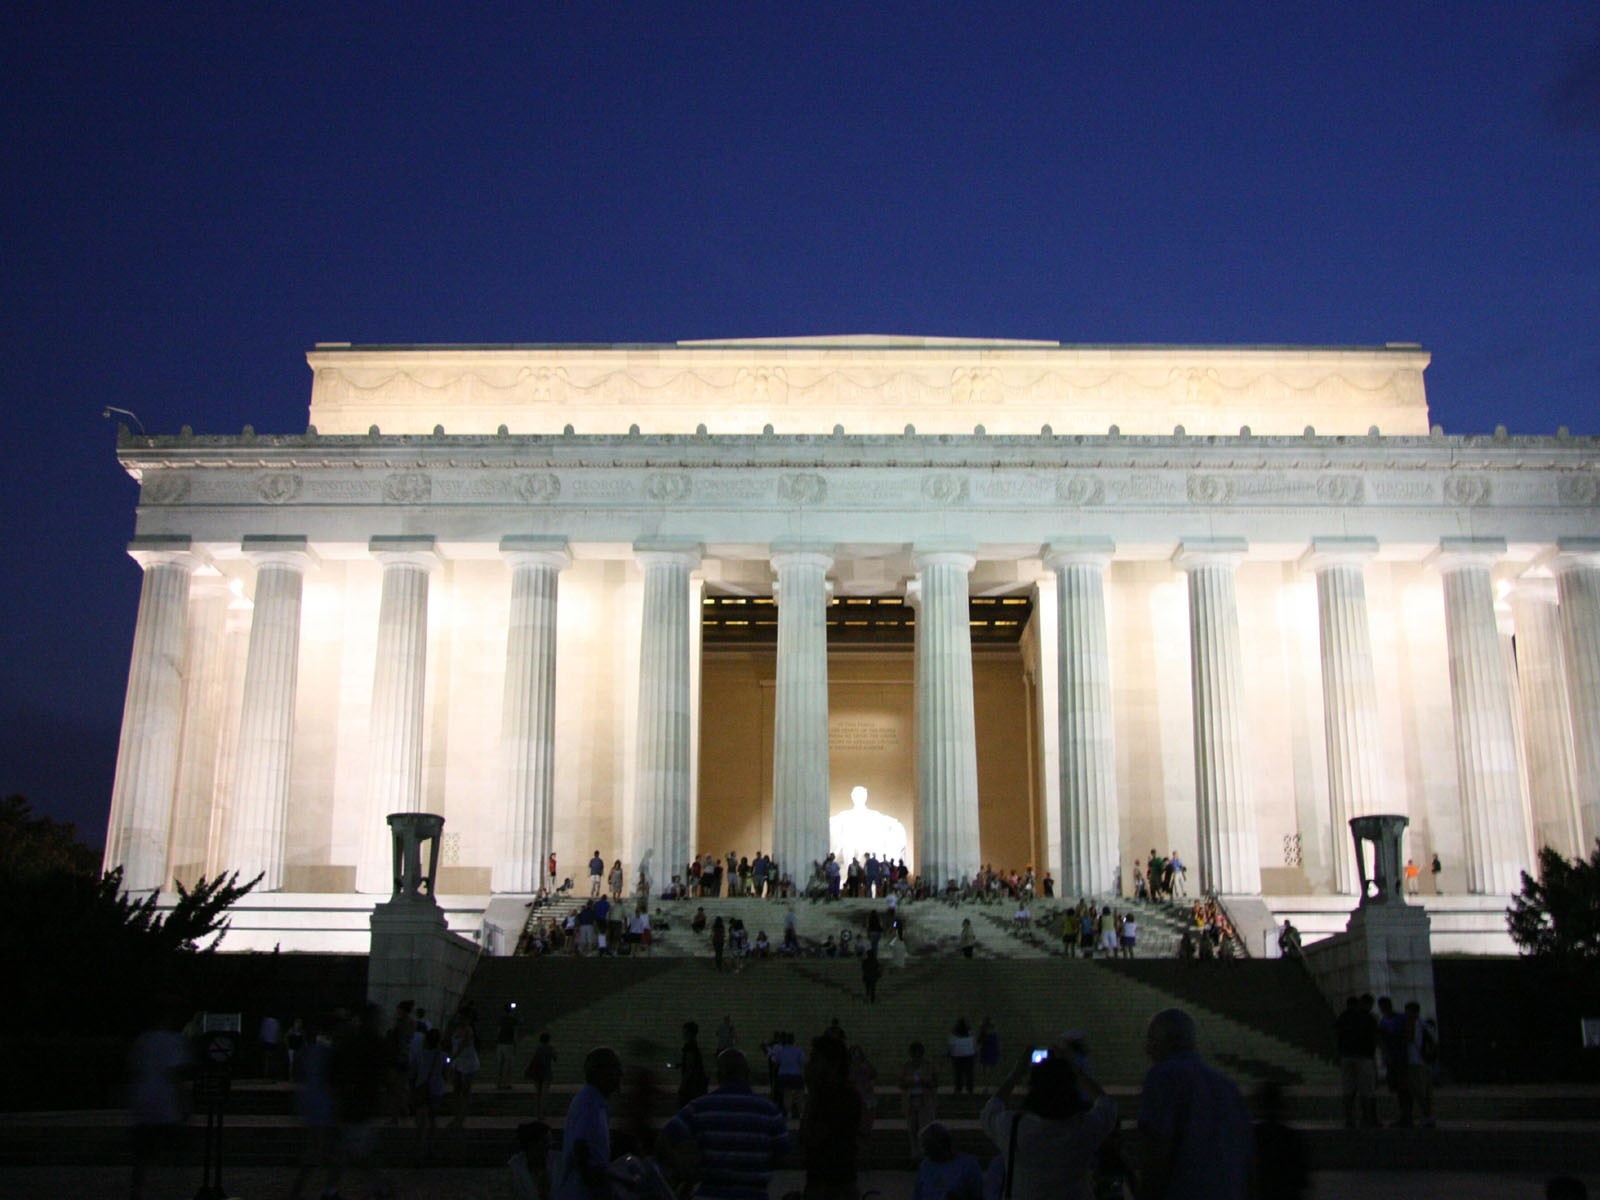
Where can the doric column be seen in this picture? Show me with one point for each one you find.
(152, 717)
(800, 727)
(528, 713)
(399, 680)
(947, 756)
(1480, 693)
(661, 813)
(1349, 693)
(1230, 859)
(204, 707)
(260, 811)
(1090, 840)
(1577, 571)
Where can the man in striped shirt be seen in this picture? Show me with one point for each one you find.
(740, 1136)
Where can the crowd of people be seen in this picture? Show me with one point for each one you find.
(1053, 1130)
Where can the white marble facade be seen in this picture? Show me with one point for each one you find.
(1267, 598)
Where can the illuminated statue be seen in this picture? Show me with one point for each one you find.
(860, 830)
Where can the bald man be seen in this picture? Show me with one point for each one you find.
(1195, 1139)
(740, 1136)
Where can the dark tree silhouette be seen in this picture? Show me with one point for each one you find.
(1556, 918)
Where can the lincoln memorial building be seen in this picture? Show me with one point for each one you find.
(1048, 604)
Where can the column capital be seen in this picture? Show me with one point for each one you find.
(1575, 553)
(1068, 552)
(801, 554)
(1537, 589)
(1338, 552)
(1209, 552)
(528, 550)
(159, 551)
(1456, 554)
(409, 550)
(959, 555)
(279, 550)
(667, 553)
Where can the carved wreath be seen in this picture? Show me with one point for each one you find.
(413, 487)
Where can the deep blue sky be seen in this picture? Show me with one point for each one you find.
(194, 194)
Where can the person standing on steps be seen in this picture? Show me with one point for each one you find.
(586, 1133)
(919, 1085)
(871, 972)
(963, 1047)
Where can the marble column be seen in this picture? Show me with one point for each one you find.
(1230, 857)
(1577, 571)
(661, 813)
(1480, 693)
(399, 688)
(152, 717)
(800, 727)
(1090, 838)
(1349, 693)
(947, 757)
(528, 713)
(258, 823)
(204, 711)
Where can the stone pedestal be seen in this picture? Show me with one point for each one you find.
(413, 955)
(1385, 948)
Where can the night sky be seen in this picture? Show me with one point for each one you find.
(194, 194)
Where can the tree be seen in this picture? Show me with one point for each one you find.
(1556, 918)
(92, 956)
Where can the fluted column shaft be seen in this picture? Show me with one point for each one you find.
(399, 689)
(1349, 695)
(204, 708)
(947, 758)
(528, 714)
(1577, 570)
(1090, 831)
(258, 826)
(1230, 858)
(1480, 693)
(1546, 720)
(661, 814)
(800, 727)
(152, 719)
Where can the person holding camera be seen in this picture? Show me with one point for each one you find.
(1050, 1144)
